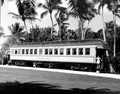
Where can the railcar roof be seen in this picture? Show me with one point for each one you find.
(65, 43)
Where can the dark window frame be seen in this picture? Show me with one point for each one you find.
(87, 51)
(68, 51)
(74, 51)
(31, 51)
(80, 51)
(27, 51)
(46, 51)
(19, 51)
(23, 51)
(56, 51)
(16, 51)
(40, 51)
(35, 51)
(50, 51)
(61, 51)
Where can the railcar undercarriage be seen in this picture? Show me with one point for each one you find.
(56, 65)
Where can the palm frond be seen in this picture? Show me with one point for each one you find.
(43, 14)
(42, 6)
(32, 2)
(20, 7)
(56, 14)
(62, 9)
(96, 1)
(17, 31)
(14, 15)
(2, 1)
(66, 23)
(56, 2)
(1, 28)
(32, 18)
(54, 25)
(81, 8)
(117, 10)
(29, 8)
(74, 15)
(45, 7)
(99, 8)
(118, 15)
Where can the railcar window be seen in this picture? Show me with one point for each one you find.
(74, 51)
(61, 51)
(12, 51)
(55, 51)
(23, 51)
(46, 51)
(19, 50)
(40, 51)
(26, 51)
(87, 51)
(35, 51)
(68, 51)
(50, 51)
(16, 52)
(80, 51)
(31, 51)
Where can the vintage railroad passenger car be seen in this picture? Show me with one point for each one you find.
(73, 54)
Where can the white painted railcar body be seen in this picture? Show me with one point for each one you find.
(84, 51)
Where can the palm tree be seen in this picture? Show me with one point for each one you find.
(1, 28)
(17, 32)
(1, 3)
(61, 18)
(114, 6)
(49, 6)
(26, 10)
(83, 10)
(102, 3)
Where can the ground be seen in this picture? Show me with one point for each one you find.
(25, 80)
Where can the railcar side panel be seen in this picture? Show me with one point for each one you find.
(70, 59)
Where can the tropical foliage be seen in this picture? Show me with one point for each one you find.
(49, 6)
(38, 34)
(61, 18)
(26, 10)
(17, 32)
(82, 10)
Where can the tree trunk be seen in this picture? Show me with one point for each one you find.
(86, 28)
(81, 29)
(60, 32)
(114, 20)
(25, 26)
(52, 25)
(104, 35)
(0, 12)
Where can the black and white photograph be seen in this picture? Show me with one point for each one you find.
(59, 47)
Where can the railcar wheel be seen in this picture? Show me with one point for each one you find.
(71, 67)
(75, 66)
(29, 63)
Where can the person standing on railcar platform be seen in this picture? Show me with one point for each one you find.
(98, 61)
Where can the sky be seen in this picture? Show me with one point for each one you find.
(7, 20)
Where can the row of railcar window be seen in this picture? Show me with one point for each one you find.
(52, 51)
